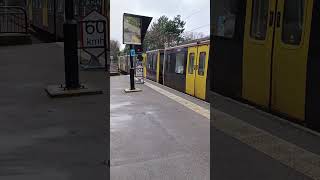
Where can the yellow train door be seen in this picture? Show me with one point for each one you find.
(45, 13)
(275, 54)
(201, 71)
(144, 65)
(290, 56)
(257, 52)
(191, 70)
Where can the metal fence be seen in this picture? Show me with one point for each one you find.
(13, 19)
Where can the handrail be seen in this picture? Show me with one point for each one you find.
(13, 15)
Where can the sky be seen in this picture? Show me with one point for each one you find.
(196, 13)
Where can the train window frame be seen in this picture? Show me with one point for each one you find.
(181, 62)
(191, 68)
(284, 33)
(202, 59)
(258, 18)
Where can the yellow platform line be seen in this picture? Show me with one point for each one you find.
(194, 107)
(291, 155)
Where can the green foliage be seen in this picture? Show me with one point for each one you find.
(164, 32)
(114, 49)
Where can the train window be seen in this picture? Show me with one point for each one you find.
(224, 15)
(167, 62)
(149, 61)
(202, 62)
(154, 59)
(191, 63)
(259, 20)
(180, 58)
(293, 21)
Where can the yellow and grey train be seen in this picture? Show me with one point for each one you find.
(266, 53)
(48, 16)
(183, 68)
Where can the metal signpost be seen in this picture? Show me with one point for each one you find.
(94, 39)
(72, 84)
(134, 30)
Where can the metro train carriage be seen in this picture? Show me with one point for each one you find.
(266, 54)
(154, 65)
(48, 15)
(186, 69)
(183, 68)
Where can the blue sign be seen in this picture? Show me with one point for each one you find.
(132, 52)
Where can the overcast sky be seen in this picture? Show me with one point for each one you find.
(196, 13)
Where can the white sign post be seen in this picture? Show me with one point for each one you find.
(139, 73)
(94, 37)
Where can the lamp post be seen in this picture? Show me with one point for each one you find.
(70, 48)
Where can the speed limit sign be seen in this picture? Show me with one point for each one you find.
(93, 33)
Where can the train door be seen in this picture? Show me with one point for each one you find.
(45, 13)
(201, 71)
(30, 6)
(275, 54)
(161, 67)
(191, 74)
(158, 67)
(257, 53)
(144, 65)
(290, 56)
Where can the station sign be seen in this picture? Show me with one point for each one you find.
(93, 33)
(132, 52)
(134, 28)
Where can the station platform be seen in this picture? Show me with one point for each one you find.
(43, 138)
(161, 133)
(154, 136)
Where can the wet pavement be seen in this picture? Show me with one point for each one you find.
(43, 138)
(154, 137)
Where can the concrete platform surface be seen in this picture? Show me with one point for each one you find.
(60, 91)
(43, 138)
(156, 138)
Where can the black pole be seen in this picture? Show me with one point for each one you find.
(131, 70)
(71, 48)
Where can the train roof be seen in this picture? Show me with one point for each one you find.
(155, 50)
(196, 43)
